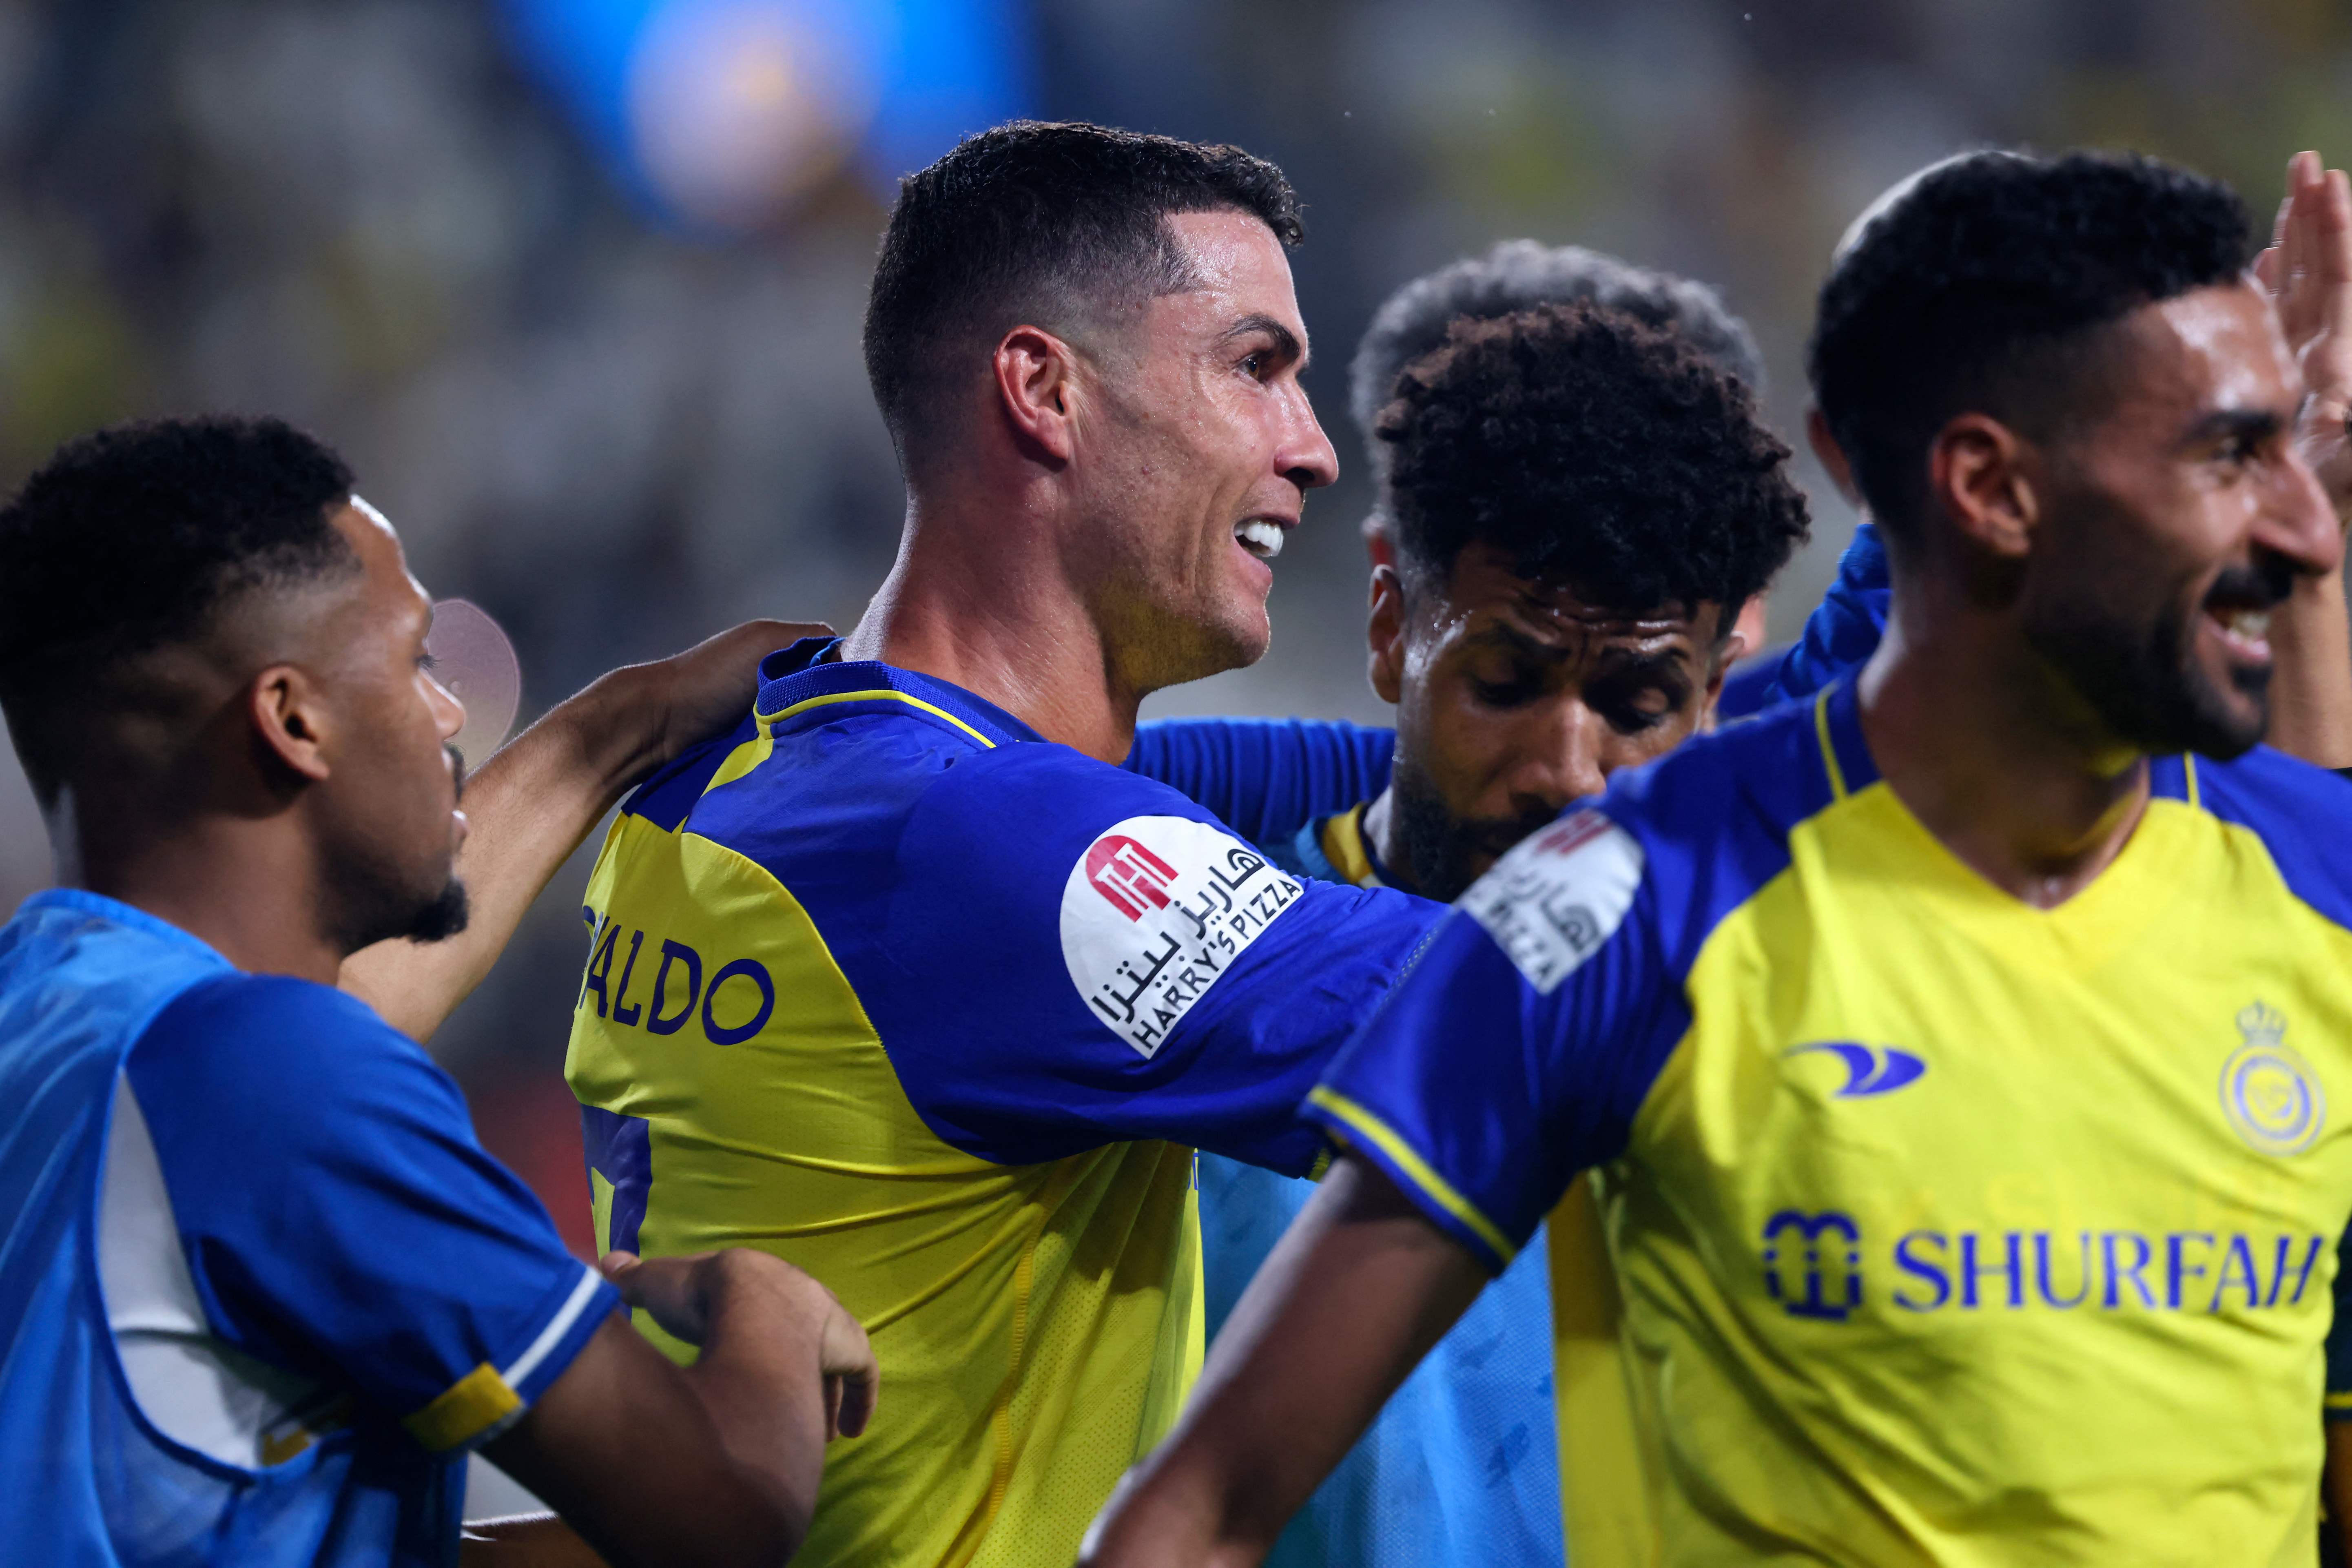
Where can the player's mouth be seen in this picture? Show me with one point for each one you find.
(2238, 610)
(1262, 537)
(2244, 631)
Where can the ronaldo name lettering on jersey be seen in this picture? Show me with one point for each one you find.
(1154, 911)
(1813, 1265)
(676, 994)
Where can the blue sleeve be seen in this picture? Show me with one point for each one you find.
(1523, 1040)
(1120, 968)
(1840, 636)
(2338, 1403)
(1266, 778)
(338, 1216)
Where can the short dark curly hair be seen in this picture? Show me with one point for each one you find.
(133, 539)
(1045, 223)
(1596, 451)
(1983, 285)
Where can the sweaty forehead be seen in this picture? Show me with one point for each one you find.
(1486, 586)
(2209, 350)
(1238, 266)
(385, 586)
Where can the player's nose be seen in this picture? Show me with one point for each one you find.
(1560, 761)
(2297, 523)
(1306, 458)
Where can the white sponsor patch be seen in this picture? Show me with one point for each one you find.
(1154, 911)
(1557, 895)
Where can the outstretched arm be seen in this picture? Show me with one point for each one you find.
(1355, 1295)
(530, 806)
(2308, 271)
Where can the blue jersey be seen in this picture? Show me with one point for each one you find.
(1462, 1461)
(260, 1290)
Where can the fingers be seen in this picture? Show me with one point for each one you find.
(853, 1381)
(621, 1268)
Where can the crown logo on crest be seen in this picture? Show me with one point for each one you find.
(2262, 1024)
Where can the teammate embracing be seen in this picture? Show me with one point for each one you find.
(1957, 1048)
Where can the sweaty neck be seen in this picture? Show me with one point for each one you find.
(247, 887)
(981, 597)
(1994, 754)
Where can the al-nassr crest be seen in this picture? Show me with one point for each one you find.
(2269, 1093)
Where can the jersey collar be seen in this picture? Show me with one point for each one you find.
(809, 683)
(82, 900)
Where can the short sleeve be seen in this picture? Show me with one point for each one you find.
(1116, 966)
(1520, 1046)
(1266, 778)
(340, 1220)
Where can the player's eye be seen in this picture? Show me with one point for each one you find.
(427, 663)
(1255, 364)
(1515, 689)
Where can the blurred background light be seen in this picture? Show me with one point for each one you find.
(724, 115)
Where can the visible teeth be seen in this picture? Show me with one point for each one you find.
(2252, 625)
(1262, 539)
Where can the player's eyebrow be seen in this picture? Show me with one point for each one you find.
(1285, 342)
(2253, 425)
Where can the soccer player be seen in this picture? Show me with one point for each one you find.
(1576, 506)
(1957, 1045)
(263, 1290)
(909, 982)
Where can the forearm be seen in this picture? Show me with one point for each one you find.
(2311, 689)
(1359, 1290)
(528, 808)
(761, 1380)
(524, 1540)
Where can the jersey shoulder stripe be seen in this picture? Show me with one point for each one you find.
(2302, 815)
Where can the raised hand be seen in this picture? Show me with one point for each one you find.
(2307, 269)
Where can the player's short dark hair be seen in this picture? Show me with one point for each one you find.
(1519, 275)
(1983, 286)
(1596, 451)
(1039, 222)
(133, 539)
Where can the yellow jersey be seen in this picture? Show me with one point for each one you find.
(1952, 1230)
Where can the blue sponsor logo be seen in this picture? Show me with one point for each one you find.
(1869, 1069)
(677, 994)
(1831, 1254)
(1813, 1266)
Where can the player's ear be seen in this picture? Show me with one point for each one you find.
(1833, 455)
(1738, 636)
(1385, 633)
(1035, 382)
(286, 711)
(1980, 475)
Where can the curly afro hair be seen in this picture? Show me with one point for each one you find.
(1594, 450)
(1981, 283)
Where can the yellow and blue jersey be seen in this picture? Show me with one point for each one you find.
(939, 1011)
(1951, 1229)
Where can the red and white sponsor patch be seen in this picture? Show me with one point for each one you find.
(1558, 895)
(1154, 911)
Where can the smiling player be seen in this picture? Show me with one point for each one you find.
(909, 982)
(1777, 986)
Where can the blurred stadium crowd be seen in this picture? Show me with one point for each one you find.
(606, 381)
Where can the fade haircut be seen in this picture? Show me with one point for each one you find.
(1519, 275)
(1986, 285)
(1049, 224)
(1595, 451)
(138, 537)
